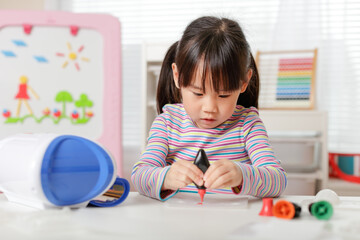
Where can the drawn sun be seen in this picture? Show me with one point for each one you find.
(73, 56)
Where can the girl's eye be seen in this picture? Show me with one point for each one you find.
(224, 96)
(197, 94)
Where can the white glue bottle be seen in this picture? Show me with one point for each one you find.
(51, 170)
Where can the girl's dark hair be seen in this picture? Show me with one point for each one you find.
(221, 44)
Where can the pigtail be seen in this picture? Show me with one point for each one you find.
(250, 97)
(167, 92)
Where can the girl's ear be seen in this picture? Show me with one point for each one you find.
(175, 74)
(248, 77)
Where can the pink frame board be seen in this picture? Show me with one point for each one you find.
(109, 29)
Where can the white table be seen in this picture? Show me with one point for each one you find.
(140, 217)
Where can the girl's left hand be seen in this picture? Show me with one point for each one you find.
(223, 173)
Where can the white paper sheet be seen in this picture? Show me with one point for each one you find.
(222, 201)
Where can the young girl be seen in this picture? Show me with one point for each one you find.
(207, 97)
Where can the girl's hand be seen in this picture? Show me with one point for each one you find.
(222, 174)
(181, 174)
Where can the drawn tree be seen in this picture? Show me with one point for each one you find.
(63, 97)
(83, 102)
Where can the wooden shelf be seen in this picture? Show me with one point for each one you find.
(152, 57)
(311, 175)
(344, 188)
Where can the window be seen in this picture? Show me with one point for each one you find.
(332, 26)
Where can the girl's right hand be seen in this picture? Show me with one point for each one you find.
(181, 174)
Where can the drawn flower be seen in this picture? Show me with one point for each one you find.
(75, 114)
(6, 113)
(57, 113)
(46, 112)
(89, 114)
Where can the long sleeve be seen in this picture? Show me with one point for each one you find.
(264, 177)
(241, 139)
(149, 173)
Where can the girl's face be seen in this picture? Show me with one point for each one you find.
(207, 109)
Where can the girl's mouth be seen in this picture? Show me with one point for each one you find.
(208, 120)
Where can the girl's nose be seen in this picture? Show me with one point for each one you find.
(209, 105)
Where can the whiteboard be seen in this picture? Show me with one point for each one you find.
(53, 74)
(61, 73)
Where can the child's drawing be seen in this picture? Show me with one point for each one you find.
(23, 96)
(62, 97)
(73, 56)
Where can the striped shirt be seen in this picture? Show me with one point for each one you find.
(242, 139)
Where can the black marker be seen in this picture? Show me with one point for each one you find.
(202, 162)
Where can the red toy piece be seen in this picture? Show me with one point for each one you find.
(267, 208)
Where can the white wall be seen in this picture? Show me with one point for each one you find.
(22, 4)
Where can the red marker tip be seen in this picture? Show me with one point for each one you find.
(202, 193)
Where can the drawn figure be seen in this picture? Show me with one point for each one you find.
(23, 96)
